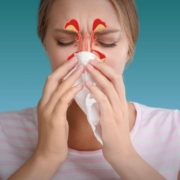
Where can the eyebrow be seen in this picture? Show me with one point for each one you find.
(99, 33)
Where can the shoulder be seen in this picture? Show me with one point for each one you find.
(157, 137)
(18, 119)
(18, 115)
(158, 119)
(18, 139)
(158, 113)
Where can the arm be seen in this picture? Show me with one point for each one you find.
(36, 168)
(52, 150)
(134, 167)
(115, 121)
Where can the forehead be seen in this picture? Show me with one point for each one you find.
(85, 12)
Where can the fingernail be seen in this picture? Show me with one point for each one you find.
(80, 67)
(88, 83)
(79, 85)
(73, 59)
(89, 66)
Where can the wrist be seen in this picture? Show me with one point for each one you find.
(40, 159)
(123, 157)
(122, 162)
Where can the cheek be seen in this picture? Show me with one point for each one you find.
(57, 57)
(117, 59)
(57, 54)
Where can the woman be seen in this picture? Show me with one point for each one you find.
(139, 142)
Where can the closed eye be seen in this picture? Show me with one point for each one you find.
(101, 43)
(65, 44)
(107, 45)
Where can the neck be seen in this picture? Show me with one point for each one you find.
(77, 118)
(80, 131)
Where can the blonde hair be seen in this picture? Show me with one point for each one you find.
(126, 10)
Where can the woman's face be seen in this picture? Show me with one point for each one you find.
(85, 13)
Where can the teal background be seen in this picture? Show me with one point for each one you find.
(152, 79)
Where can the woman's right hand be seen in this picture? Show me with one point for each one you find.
(53, 128)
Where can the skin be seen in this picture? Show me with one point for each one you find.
(63, 12)
(80, 131)
(117, 116)
(73, 26)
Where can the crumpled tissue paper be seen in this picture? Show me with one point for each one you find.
(84, 98)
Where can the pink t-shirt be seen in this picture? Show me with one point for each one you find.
(155, 136)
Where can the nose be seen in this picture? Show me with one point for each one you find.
(86, 42)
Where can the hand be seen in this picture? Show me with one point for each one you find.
(114, 116)
(53, 126)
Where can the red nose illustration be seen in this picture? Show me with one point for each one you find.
(72, 26)
(86, 42)
(98, 25)
(85, 45)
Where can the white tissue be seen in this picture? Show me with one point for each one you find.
(84, 98)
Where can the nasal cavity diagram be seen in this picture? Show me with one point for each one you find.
(98, 25)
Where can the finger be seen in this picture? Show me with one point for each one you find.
(106, 112)
(113, 76)
(63, 88)
(53, 79)
(102, 100)
(106, 86)
(64, 102)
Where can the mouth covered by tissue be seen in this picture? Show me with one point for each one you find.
(84, 98)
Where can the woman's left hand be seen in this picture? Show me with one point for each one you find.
(114, 112)
(114, 120)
